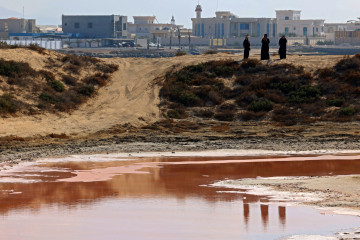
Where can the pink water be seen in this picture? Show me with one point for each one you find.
(160, 198)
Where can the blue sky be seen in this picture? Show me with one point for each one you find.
(49, 11)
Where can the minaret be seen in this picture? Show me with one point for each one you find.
(198, 11)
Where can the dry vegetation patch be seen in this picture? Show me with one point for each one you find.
(66, 82)
(228, 90)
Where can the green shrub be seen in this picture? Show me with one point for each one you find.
(12, 68)
(47, 97)
(177, 113)
(184, 77)
(284, 86)
(180, 53)
(305, 94)
(262, 105)
(188, 98)
(347, 111)
(56, 85)
(86, 90)
(196, 68)
(337, 102)
(223, 71)
(7, 104)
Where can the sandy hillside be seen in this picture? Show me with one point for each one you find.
(130, 97)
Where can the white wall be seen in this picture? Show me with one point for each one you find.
(48, 44)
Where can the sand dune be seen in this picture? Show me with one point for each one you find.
(131, 97)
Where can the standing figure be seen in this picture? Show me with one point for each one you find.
(282, 49)
(246, 45)
(265, 48)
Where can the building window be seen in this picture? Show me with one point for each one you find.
(286, 31)
(274, 29)
(202, 30)
(322, 29)
(244, 26)
(317, 29)
(65, 24)
(294, 28)
(268, 29)
(222, 30)
(287, 18)
(76, 25)
(124, 26)
(90, 25)
(235, 26)
(258, 29)
(305, 31)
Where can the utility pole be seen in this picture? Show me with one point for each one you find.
(189, 40)
(171, 32)
(179, 37)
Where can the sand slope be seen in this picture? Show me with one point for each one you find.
(131, 97)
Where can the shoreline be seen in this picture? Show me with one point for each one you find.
(30, 150)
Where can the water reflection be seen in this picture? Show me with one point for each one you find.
(282, 215)
(78, 184)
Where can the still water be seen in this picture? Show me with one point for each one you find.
(137, 198)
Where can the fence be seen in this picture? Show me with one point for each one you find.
(48, 44)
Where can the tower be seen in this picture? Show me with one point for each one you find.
(173, 21)
(198, 11)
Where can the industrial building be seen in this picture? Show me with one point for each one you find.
(96, 26)
(16, 25)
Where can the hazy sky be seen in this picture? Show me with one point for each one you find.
(50, 11)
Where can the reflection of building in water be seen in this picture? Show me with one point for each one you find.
(264, 210)
(246, 208)
(282, 215)
(264, 215)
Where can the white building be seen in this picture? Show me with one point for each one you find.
(226, 25)
(147, 27)
(289, 23)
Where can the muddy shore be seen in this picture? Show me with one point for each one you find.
(29, 150)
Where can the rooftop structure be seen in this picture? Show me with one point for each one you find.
(148, 27)
(96, 26)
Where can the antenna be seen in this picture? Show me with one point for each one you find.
(23, 12)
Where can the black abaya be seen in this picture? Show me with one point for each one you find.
(282, 49)
(265, 49)
(246, 45)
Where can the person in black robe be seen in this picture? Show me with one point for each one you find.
(282, 49)
(265, 48)
(246, 45)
